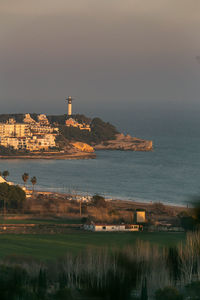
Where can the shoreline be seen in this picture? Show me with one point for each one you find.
(119, 201)
(51, 156)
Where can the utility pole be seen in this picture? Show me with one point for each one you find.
(4, 208)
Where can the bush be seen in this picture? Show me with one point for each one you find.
(12, 195)
(193, 290)
(168, 293)
(73, 210)
(99, 201)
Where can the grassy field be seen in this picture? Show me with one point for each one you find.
(40, 221)
(48, 247)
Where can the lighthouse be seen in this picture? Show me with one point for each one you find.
(69, 101)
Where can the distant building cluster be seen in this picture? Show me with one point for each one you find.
(30, 135)
(73, 123)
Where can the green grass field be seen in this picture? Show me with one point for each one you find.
(48, 247)
(40, 221)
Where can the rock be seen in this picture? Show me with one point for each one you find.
(83, 147)
(125, 143)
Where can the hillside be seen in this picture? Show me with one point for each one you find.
(99, 134)
(100, 130)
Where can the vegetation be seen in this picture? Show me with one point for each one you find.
(99, 201)
(100, 130)
(190, 219)
(25, 178)
(5, 117)
(60, 119)
(11, 196)
(5, 174)
(75, 134)
(48, 247)
(168, 293)
(33, 181)
(137, 271)
(11, 151)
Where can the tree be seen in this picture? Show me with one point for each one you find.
(5, 174)
(144, 295)
(190, 220)
(11, 196)
(33, 181)
(25, 178)
(99, 201)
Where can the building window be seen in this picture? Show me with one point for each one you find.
(103, 227)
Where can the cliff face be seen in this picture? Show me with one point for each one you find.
(125, 143)
(82, 147)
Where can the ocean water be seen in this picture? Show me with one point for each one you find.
(169, 174)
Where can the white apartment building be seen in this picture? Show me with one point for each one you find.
(14, 142)
(32, 135)
(41, 142)
(42, 129)
(14, 130)
(34, 143)
(43, 119)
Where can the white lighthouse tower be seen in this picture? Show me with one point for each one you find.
(69, 101)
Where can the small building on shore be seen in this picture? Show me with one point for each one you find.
(2, 180)
(111, 227)
(140, 216)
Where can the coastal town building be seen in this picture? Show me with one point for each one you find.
(28, 119)
(41, 142)
(30, 135)
(43, 120)
(14, 130)
(73, 123)
(33, 143)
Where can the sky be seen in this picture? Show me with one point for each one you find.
(132, 62)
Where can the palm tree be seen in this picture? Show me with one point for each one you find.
(25, 177)
(5, 174)
(33, 181)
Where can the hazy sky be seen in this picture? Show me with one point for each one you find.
(119, 58)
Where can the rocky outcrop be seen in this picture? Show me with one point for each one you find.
(125, 143)
(83, 147)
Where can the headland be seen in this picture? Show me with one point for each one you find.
(38, 136)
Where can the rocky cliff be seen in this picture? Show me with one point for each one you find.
(83, 147)
(125, 142)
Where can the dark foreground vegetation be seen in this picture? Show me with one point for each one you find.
(141, 271)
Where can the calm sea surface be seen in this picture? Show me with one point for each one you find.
(170, 174)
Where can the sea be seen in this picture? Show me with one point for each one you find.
(169, 174)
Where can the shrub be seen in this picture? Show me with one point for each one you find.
(12, 195)
(193, 290)
(99, 201)
(168, 293)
